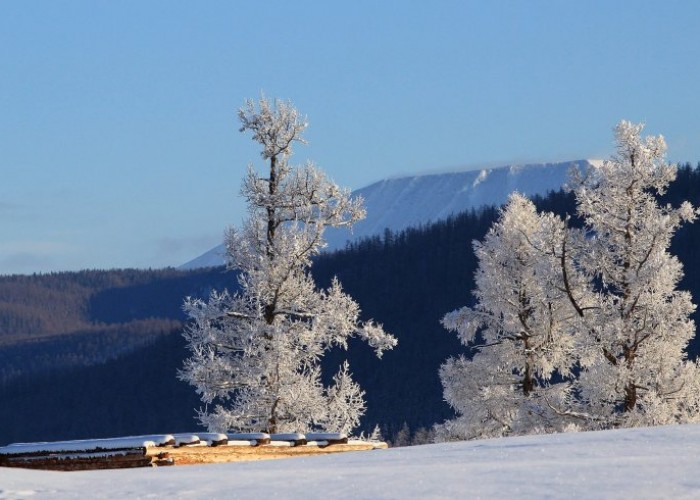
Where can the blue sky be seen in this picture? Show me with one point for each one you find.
(119, 145)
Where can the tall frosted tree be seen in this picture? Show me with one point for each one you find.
(255, 354)
(633, 347)
(520, 330)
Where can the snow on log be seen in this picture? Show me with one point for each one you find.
(328, 437)
(320, 444)
(213, 438)
(89, 445)
(186, 439)
(293, 437)
(258, 437)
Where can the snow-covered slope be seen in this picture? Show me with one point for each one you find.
(409, 201)
(403, 202)
(210, 258)
(661, 462)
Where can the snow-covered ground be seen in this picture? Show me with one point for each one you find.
(662, 462)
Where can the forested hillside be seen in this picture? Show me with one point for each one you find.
(75, 319)
(406, 280)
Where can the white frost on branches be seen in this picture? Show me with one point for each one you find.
(256, 354)
(596, 310)
(635, 371)
(523, 323)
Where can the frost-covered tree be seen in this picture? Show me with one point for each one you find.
(256, 354)
(522, 322)
(599, 306)
(633, 346)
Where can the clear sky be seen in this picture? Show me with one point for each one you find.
(119, 143)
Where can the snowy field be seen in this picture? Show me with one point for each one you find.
(662, 462)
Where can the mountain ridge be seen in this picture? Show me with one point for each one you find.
(401, 202)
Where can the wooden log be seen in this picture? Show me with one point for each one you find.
(329, 437)
(258, 437)
(79, 461)
(296, 438)
(89, 445)
(166, 462)
(332, 442)
(138, 450)
(213, 438)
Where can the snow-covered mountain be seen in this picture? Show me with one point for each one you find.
(402, 202)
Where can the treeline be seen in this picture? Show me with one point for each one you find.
(687, 240)
(93, 345)
(57, 303)
(135, 394)
(406, 280)
(58, 320)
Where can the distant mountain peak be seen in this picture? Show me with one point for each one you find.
(401, 202)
